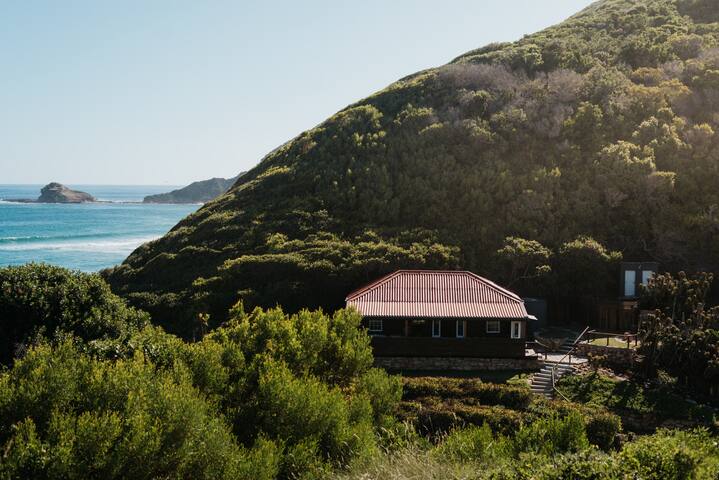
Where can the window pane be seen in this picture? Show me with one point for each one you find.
(646, 275)
(375, 325)
(516, 330)
(493, 326)
(630, 279)
(460, 328)
(436, 328)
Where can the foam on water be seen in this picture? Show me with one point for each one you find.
(121, 246)
(82, 236)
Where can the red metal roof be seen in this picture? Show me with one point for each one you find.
(429, 293)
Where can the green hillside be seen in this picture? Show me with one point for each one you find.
(603, 126)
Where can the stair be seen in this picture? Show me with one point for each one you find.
(542, 380)
(566, 347)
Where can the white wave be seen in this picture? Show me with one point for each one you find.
(124, 245)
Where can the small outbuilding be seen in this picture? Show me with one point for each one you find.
(427, 313)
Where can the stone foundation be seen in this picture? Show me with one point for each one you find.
(457, 363)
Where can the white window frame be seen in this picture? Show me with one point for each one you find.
(493, 322)
(439, 328)
(373, 328)
(517, 324)
(464, 328)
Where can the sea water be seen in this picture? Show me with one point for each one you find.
(89, 236)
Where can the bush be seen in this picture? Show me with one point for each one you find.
(467, 444)
(435, 416)
(585, 465)
(514, 397)
(43, 299)
(331, 348)
(295, 410)
(65, 415)
(383, 391)
(552, 435)
(602, 428)
(671, 455)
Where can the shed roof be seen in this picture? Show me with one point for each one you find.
(434, 293)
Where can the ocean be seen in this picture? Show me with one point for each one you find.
(87, 237)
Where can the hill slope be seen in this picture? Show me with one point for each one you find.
(603, 125)
(196, 192)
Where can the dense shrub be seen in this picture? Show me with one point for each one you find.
(672, 455)
(514, 397)
(330, 347)
(434, 416)
(468, 444)
(585, 465)
(43, 299)
(65, 415)
(552, 435)
(602, 428)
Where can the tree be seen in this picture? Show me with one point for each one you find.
(37, 299)
(523, 260)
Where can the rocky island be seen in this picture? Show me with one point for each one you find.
(196, 192)
(58, 193)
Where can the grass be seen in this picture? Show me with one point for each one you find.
(613, 342)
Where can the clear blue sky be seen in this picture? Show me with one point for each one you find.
(171, 91)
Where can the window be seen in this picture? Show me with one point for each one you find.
(492, 326)
(516, 330)
(460, 328)
(646, 275)
(436, 328)
(375, 325)
(630, 280)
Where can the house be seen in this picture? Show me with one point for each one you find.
(442, 314)
(621, 313)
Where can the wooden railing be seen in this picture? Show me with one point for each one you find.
(627, 338)
(561, 361)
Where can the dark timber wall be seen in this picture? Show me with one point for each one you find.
(447, 347)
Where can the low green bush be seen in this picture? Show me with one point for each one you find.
(435, 416)
(552, 435)
(584, 465)
(602, 428)
(64, 414)
(672, 455)
(468, 444)
(510, 396)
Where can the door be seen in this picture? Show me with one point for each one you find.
(516, 329)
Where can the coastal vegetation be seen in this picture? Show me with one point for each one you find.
(276, 395)
(595, 135)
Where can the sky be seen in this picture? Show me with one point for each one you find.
(166, 92)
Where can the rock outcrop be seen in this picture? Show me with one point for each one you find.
(58, 193)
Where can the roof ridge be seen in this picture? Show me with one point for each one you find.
(496, 287)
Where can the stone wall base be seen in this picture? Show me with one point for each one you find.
(613, 354)
(457, 363)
